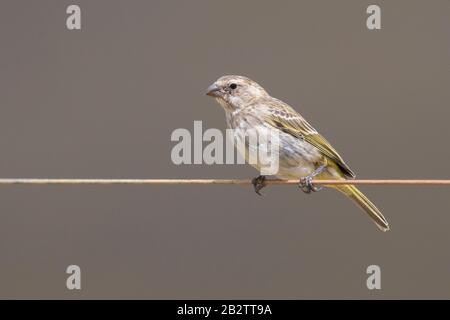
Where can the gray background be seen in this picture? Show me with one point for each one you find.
(102, 103)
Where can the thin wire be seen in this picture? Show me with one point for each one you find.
(25, 181)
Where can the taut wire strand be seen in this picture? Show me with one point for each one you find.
(25, 181)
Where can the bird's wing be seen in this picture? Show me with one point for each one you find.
(283, 117)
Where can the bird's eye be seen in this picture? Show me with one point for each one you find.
(233, 86)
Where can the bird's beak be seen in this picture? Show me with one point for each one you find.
(213, 90)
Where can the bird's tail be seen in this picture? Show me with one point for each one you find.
(362, 201)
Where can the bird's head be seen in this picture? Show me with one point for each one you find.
(235, 92)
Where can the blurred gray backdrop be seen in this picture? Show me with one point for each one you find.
(102, 103)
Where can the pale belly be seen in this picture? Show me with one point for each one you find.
(296, 158)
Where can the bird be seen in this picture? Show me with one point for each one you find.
(303, 154)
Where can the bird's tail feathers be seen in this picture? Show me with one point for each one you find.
(364, 203)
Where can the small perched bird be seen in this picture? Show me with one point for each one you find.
(303, 153)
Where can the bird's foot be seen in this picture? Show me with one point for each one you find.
(258, 183)
(306, 185)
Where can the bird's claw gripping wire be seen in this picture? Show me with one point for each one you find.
(307, 186)
(258, 183)
(305, 183)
